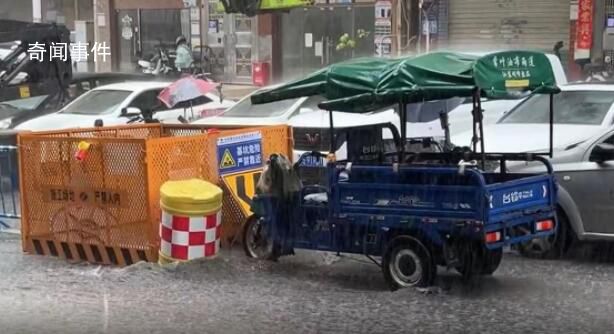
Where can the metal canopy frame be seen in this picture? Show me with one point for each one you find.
(478, 127)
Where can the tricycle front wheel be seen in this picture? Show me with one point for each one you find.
(408, 263)
(256, 243)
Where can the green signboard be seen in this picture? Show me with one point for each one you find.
(254, 7)
(284, 4)
(507, 73)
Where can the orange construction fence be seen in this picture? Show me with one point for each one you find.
(105, 208)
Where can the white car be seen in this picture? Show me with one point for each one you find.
(244, 113)
(460, 118)
(311, 130)
(580, 112)
(119, 103)
(305, 118)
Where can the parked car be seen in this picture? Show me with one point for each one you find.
(583, 158)
(310, 124)
(121, 103)
(245, 113)
(460, 118)
(581, 110)
(15, 112)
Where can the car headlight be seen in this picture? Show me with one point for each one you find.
(6, 123)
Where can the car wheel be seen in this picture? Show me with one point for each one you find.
(408, 263)
(552, 247)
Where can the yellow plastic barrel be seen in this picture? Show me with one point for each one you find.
(191, 220)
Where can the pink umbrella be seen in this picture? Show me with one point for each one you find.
(185, 89)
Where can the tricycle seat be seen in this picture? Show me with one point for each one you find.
(316, 198)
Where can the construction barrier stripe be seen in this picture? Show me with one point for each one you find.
(81, 251)
(38, 248)
(52, 249)
(66, 250)
(127, 256)
(111, 254)
(90, 253)
(96, 253)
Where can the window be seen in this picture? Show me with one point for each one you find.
(53, 103)
(245, 108)
(148, 101)
(570, 107)
(30, 103)
(74, 91)
(97, 102)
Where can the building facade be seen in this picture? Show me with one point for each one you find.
(487, 25)
(300, 40)
(134, 29)
(20, 10)
(64, 12)
(312, 37)
(507, 24)
(283, 44)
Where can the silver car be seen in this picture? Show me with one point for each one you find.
(583, 159)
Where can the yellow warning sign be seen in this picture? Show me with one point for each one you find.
(24, 92)
(242, 187)
(227, 161)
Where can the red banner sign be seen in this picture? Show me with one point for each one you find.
(584, 25)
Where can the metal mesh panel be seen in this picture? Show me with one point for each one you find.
(106, 208)
(182, 131)
(131, 131)
(233, 219)
(175, 159)
(99, 201)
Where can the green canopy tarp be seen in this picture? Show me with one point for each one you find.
(368, 84)
(343, 79)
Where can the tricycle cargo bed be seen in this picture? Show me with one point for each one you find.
(499, 201)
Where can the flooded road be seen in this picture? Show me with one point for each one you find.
(307, 293)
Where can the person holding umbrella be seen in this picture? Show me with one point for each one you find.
(186, 89)
(183, 60)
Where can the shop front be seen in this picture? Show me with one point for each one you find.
(66, 12)
(314, 37)
(232, 42)
(488, 25)
(145, 27)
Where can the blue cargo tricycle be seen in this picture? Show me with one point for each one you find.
(407, 211)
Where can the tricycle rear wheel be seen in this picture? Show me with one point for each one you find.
(256, 243)
(408, 263)
(553, 247)
(478, 260)
(491, 261)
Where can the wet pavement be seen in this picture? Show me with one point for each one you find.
(307, 293)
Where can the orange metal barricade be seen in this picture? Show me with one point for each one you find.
(105, 208)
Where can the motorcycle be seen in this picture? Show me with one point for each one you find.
(162, 63)
(597, 73)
